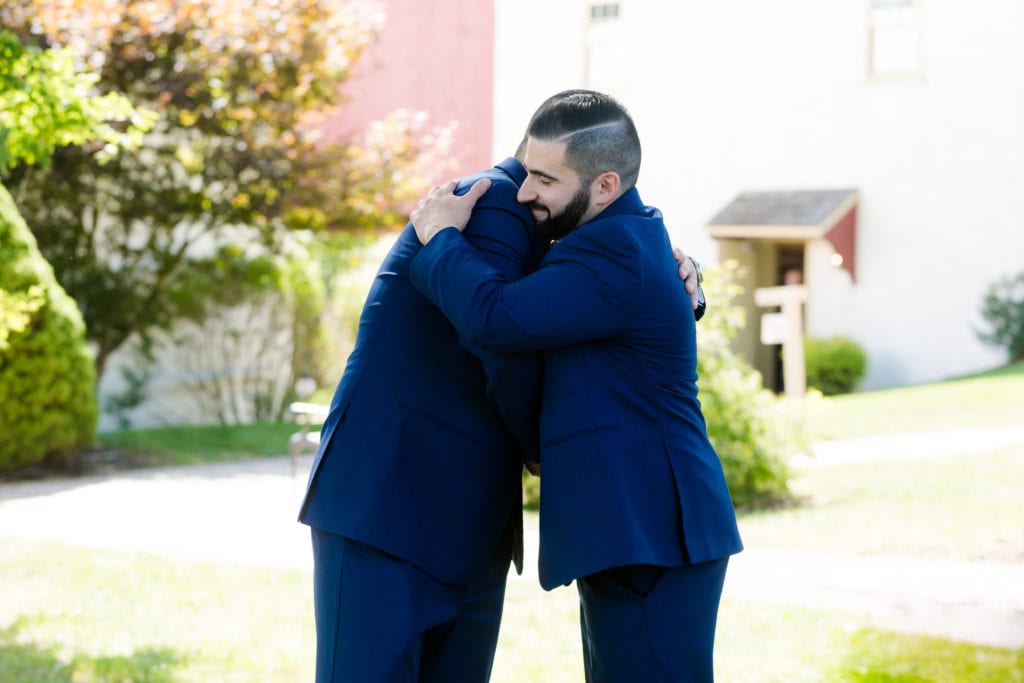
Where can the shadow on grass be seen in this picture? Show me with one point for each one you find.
(28, 662)
(875, 656)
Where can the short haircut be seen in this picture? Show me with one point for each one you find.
(598, 132)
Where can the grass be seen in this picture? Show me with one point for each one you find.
(72, 615)
(761, 644)
(79, 615)
(192, 445)
(957, 508)
(987, 400)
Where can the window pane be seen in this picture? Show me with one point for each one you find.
(895, 47)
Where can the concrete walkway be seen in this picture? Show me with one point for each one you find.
(244, 513)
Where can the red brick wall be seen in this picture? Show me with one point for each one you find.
(435, 56)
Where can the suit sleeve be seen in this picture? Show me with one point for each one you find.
(584, 291)
(503, 239)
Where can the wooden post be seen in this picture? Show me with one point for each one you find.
(791, 298)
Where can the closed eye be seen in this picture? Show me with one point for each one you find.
(543, 178)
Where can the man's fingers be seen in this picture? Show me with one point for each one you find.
(447, 188)
(686, 272)
(478, 189)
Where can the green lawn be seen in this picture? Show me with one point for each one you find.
(966, 507)
(987, 400)
(71, 615)
(79, 615)
(215, 443)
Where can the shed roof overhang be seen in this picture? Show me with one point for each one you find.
(797, 215)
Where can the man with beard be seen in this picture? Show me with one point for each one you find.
(634, 503)
(414, 498)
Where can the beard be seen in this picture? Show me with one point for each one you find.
(557, 226)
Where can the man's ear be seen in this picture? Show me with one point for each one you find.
(605, 188)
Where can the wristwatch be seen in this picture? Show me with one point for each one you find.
(698, 269)
(702, 303)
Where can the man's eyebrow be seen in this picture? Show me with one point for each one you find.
(542, 174)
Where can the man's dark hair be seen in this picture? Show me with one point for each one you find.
(598, 132)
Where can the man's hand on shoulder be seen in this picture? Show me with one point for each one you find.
(442, 208)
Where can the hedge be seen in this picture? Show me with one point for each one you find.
(48, 407)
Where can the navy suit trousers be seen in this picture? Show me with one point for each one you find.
(379, 619)
(652, 624)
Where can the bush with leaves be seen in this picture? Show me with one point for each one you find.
(238, 87)
(746, 423)
(47, 380)
(1003, 310)
(835, 365)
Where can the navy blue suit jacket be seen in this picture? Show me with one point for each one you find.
(421, 454)
(629, 476)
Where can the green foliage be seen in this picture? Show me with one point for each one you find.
(745, 422)
(238, 88)
(834, 365)
(531, 491)
(17, 311)
(47, 405)
(45, 103)
(1003, 310)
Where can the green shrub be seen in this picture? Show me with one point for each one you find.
(47, 378)
(1003, 309)
(834, 365)
(746, 423)
(531, 491)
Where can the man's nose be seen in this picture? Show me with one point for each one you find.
(526, 193)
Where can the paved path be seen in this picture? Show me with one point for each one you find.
(908, 446)
(244, 513)
(239, 513)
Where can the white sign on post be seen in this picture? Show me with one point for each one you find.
(773, 328)
(786, 328)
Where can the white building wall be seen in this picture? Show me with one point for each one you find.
(741, 95)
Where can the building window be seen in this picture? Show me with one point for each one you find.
(894, 38)
(606, 55)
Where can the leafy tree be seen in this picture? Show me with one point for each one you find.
(46, 103)
(1003, 310)
(233, 159)
(47, 400)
